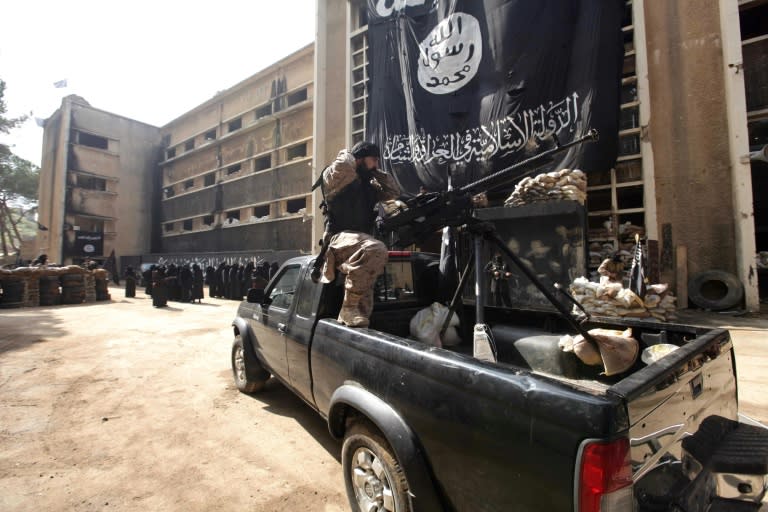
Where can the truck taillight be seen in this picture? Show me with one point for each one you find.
(605, 477)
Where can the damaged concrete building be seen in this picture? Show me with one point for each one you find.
(694, 106)
(232, 175)
(228, 179)
(236, 170)
(96, 184)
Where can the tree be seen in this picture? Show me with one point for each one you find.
(19, 179)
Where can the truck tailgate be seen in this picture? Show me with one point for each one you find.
(668, 400)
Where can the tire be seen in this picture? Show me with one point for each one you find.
(372, 475)
(715, 290)
(248, 373)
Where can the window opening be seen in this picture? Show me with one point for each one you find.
(264, 162)
(210, 135)
(296, 97)
(187, 226)
(232, 169)
(189, 145)
(209, 179)
(169, 226)
(93, 141)
(91, 183)
(295, 205)
(189, 184)
(264, 111)
(261, 211)
(299, 151)
(235, 124)
(282, 293)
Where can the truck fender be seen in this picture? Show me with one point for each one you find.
(241, 326)
(249, 340)
(401, 438)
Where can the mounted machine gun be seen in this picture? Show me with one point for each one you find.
(427, 213)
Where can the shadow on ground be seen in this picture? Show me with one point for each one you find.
(280, 400)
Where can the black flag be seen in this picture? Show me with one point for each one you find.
(637, 281)
(482, 84)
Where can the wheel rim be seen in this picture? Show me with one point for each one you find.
(372, 483)
(239, 364)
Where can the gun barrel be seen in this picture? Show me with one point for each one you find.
(476, 186)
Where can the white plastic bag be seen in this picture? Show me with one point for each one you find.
(425, 326)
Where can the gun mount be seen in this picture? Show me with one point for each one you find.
(422, 215)
(426, 213)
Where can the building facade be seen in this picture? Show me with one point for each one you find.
(694, 104)
(96, 184)
(236, 170)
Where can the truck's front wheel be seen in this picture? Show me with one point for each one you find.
(373, 477)
(249, 375)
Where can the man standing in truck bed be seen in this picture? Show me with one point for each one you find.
(352, 186)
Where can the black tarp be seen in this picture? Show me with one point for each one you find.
(469, 87)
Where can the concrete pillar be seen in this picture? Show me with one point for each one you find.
(330, 106)
(741, 173)
(690, 131)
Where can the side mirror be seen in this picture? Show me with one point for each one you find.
(255, 295)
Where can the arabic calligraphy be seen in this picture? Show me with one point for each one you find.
(450, 55)
(384, 10)
(498, 139)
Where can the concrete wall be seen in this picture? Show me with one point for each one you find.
(128, 165)
(689, 132)
(227, 175)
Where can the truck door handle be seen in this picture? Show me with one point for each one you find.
(282, 328)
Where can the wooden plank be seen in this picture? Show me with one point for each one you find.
(681, 267)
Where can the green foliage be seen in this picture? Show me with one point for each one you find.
(19, 179)
(6, 125)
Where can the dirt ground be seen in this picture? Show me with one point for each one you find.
(120, 406)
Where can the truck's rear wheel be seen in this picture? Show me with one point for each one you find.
(373, 477)
(249, 375)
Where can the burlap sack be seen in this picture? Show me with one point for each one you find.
(618, 350)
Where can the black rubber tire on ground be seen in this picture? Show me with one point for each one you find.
(715, 290)
(248, 373)
(372, 486)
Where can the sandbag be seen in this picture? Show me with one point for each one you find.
(426, 324)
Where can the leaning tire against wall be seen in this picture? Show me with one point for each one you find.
(715, 289)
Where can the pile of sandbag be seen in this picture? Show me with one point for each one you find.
(31, 294)
(563, 185)
(612, 299)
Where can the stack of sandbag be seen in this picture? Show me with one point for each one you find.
(72, 280)
(13, 289)
(31, 294)
(89, 283)
(101, 278)
(613, 299)
(563, 185)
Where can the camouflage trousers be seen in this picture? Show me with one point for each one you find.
(361, 258)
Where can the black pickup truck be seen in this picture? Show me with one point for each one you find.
(435, 429)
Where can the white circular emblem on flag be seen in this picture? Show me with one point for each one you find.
(89, 248)
(450, 55)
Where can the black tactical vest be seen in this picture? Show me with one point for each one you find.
(352, 209)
